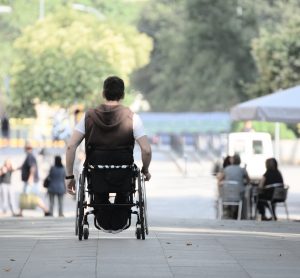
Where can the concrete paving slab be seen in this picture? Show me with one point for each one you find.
(48, 247)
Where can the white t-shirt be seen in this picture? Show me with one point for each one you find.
(138, 127)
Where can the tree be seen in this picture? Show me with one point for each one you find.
(201, 59)
(65, 57)
(276, 53)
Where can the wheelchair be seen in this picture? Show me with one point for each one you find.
(111, 193)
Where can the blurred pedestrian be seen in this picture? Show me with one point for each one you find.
(218, 172)
(248, 127)
(7, 192)
(57, 186)
(228, 160)
(1, 193)
(30, 177)
(5, 129)
(271, 178)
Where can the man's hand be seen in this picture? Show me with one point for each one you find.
(71, 186)
(146, 174)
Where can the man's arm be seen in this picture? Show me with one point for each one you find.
(72, 145)
(31, 174)
(220, 178)
(146, 155)
(32, 163)
(262, 182)
(247, 177)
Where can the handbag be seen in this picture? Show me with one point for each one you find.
(46, 182)
(28, 201)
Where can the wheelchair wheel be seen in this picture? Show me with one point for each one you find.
(142, 214)
(145, 205)
(86, 233)
(138, 233)
(81, 199)
(77, 206)
(76, 219)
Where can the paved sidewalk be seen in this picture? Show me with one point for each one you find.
(47, 247)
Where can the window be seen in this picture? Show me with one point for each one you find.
(257, 147)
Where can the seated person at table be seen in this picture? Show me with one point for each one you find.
(234, 172)
(272, 176)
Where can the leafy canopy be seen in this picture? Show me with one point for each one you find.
(65, 57)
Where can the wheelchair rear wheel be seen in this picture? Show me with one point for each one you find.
(145, 205)
(80, 209)
(77, 205)
(143, 228)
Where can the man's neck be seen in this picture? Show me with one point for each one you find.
(112, 102)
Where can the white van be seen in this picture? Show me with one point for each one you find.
(254, 148)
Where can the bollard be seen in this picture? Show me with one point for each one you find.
(185, 165)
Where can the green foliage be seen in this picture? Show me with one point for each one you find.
(277, 58)
(285, 132)
(64, 58)
(201, 59)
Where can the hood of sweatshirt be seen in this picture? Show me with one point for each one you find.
(107, 116)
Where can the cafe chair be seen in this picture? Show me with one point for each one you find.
(230, 195)
(276, 194)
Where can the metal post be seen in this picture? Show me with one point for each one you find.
(185, 165)
(42, 10)
(277, 141)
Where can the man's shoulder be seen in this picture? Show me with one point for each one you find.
(31, 157)
(233, 168)
(127, 111)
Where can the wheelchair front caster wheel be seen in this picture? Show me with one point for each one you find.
(86, 233)
(138, 233)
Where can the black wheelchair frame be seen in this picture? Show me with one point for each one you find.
(137, 204)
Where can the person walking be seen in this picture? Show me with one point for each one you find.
(5, 130)
(7, 193)
(30, 177)
(57, 186)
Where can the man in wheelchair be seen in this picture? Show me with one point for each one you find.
(110, 132)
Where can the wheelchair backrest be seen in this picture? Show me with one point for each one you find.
(110, 170)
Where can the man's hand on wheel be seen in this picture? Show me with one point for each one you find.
(71, 188)
(146, 174)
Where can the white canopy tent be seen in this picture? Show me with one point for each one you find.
(282, 106)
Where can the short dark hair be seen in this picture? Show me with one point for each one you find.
(57, 161)
(113, 88)
(236, 159)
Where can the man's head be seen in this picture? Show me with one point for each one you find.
(236, 159)
(113, 88)
(28, 146)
